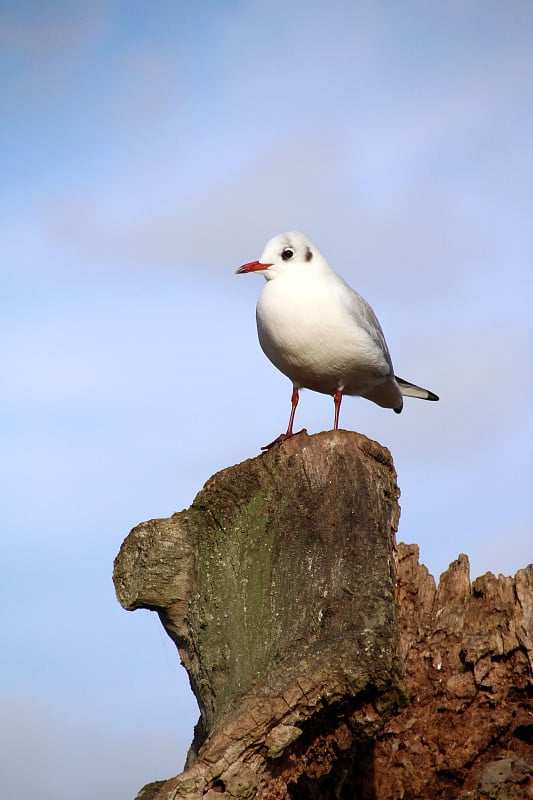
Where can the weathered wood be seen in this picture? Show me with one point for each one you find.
(303, 642)
(277, 586)
(468, 653)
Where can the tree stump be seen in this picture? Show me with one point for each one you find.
(278, 587)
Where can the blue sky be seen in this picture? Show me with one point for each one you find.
(149, 150)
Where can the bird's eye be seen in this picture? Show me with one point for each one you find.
(287, 254)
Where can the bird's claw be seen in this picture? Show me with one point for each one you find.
(281, 438)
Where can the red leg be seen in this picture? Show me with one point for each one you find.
(294, 402)
(281, 438)
(337, 399)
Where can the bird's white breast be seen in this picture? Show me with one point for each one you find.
(306, 329)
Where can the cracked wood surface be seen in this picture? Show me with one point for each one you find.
(277, 586)
(327, 664)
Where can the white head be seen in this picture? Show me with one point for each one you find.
(287, 253)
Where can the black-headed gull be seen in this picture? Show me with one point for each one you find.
(321, 333)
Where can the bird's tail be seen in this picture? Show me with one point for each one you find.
(411, 390)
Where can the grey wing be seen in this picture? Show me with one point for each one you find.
(364, 315)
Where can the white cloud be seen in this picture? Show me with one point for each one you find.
(288, 186)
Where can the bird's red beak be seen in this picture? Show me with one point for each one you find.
(253, 266)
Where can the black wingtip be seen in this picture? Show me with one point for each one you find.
(432, 396)
(398, 410)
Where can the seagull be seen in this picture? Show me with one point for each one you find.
(321, 333)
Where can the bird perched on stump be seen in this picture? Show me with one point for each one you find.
(321, 333)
